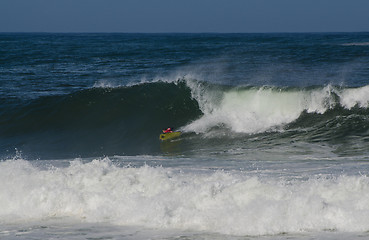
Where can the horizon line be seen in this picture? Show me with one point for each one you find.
(116, 32)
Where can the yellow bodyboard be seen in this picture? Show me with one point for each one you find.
(167, 136)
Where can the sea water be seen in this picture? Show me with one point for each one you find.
(274, 144)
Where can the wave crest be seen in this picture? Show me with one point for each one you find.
(255, 110)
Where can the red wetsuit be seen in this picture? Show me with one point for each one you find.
(168, 130)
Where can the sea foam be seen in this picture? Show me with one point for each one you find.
(164, 198)
(355, 97)
(259, 109)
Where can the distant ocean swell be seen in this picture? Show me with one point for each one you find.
(128, 119)
(154, 197)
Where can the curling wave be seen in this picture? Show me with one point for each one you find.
(127, 120)
(260, 109)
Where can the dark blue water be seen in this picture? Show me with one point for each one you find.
(275, 135)
(68, 95)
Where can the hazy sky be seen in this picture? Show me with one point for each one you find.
(184, 15)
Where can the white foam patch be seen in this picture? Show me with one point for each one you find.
(257, 109)
(356, 44)
(355, 97)
(105, 84)
(224, 202)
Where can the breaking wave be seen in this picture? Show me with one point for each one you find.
(260, 109)
(127, 120)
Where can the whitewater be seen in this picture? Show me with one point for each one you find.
(274, 144)
(250, 202)
(253, 110)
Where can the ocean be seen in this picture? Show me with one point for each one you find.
(274, 144)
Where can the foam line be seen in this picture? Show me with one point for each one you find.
(155, 197)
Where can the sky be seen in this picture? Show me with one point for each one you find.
(193, 16)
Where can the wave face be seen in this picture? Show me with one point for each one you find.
(99, 121)
(128, 120)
